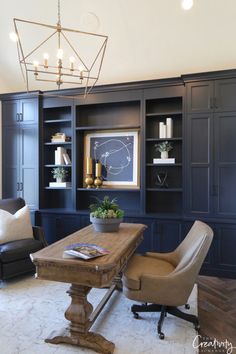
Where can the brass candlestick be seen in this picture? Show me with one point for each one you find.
(89, 173)
(98, 174)
(89, 181)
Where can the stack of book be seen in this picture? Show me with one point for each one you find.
(164, 161)
(61, 157)
(60, 184)
(60, 138)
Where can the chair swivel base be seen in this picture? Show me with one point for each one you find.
(164, 310)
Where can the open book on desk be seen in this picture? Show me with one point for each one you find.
(84, 251)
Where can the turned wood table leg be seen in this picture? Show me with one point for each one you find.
(77, 333)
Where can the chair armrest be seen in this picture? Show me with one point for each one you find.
(39, 235)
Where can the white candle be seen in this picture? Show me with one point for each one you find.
(161, 136)
(169, 128)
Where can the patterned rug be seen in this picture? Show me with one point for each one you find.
(30, 309)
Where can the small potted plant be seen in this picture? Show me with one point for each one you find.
(105, 215)
(60, 174)
(164, 148)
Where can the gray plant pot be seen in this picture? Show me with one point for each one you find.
(105, 225)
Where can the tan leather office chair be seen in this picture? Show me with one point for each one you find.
(166, 280)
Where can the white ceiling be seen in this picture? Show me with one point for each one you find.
(147, 39)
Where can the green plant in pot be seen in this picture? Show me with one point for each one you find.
(164, 148)
(106, 215)
(60, 174)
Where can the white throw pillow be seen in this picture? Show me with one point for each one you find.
(15, 227)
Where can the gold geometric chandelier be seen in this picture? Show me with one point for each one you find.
(60, 57)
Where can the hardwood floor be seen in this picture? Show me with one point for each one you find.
(217, 311)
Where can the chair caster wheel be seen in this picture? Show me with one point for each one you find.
(136, 315)
(187, 306)
(161, 335)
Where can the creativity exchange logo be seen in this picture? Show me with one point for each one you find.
(213, 345)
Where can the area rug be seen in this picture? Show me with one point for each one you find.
(30, 309)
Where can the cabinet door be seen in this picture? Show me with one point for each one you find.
(9, 112)
(28, 164)
(225, 164)
(200, 96)
(225, 238)
(199, 164)
(10, 168)
(29, 111)
(225, 93)
(167, 236)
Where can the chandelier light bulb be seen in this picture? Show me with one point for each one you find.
(60, 54)
(36, 64)
(13, 36)
(45, 57)
(72, 60)
(81, 69)
(187, 4)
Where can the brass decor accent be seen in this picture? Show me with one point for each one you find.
(69, 63)
(89, 173)
(98, 175)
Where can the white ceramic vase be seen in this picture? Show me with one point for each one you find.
(164, 154)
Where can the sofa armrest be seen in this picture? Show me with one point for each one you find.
(39, 235)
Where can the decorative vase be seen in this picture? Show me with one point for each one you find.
(164, 154)
(105, 225)
(60, 179)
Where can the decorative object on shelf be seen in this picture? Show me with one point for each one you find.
(60, 174)
(169, 128)
(98, 175)
(73, 64)
(89, 173)
(60, 138)
(161, 179)
(118, 152)
(60, 184)
(59, 152)
(106, 215)
(164, 148)
(162, 130)
(66, 158)
(164, 161)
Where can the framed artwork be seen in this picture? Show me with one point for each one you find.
(118, 151)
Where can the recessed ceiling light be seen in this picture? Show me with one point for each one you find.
(187, 4)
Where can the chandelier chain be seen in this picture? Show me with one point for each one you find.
(59, 12)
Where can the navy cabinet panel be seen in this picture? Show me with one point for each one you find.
(147, 243)
(200, 96)
(29, 164)
(199, 201)
(167, 235)
(66, 225)
(225, 164)
(29, 111)
(225, 91)
(48, 223)
(199, 163)
(10, 171)
(9, 112)
(226, 246)
(20, 150)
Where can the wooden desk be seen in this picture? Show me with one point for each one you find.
(84, 275)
